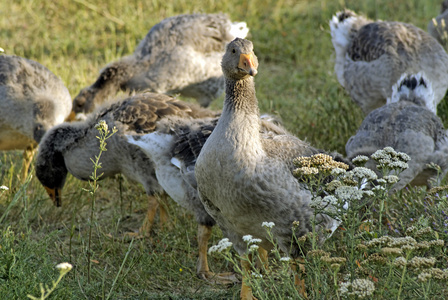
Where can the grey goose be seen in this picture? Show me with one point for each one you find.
(180, 55)
(245, 178)
(32, 100)
(67, 148)
(407, 123)
(372, 55)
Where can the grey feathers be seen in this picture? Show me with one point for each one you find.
(372, 55)
(409, 125)
(181, 54)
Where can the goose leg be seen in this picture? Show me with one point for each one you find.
(299, 281)
(163, 211)
(28, 155)
(246, 290)
(203, 270)
(150, 215)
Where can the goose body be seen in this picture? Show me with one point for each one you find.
(69, 147)
(32, 100)
(180, 55)
(408, 124)
(174, 148)
(372, 55)
(245, 178)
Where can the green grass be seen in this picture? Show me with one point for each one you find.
(75, 39)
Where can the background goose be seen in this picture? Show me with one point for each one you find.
(372, 55)
(439, 30)
(32, 100)
(245, 178)
(408, 124)
(181, 54)
(174, 148)
(69, 147)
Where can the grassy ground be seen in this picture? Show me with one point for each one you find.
(75, 39)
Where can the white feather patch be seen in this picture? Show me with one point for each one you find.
(176, 162)
(421, 91)
(239, 29)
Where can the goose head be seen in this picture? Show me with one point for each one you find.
(50, 164)
(239, 61)
(84, 102)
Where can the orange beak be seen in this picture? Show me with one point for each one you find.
(247, 63)
(55, 195)
(71, 117)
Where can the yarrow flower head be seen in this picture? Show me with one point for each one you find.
(253, 247)
(4, 188)
(64, 268)
(360, 159)
(361, 172)
(361, 288)
(268, 224)
(317, 163)
(345, 193)
(388, 158)
(391, 179)
(222, 245)
(249, 239)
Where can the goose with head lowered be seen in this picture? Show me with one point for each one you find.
(180, 55)
(245, 178)
(32, 100)
(69, 147)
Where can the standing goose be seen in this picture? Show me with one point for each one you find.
(174, 148)
(407, 123)
(32, 100)
(69, 147)
(372, 55)
(437, 27)
(181, 55)
(244, 178)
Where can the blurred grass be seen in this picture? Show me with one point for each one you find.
(75, 39)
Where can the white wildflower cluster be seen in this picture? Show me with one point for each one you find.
(388, 158)
(361, 173)
(424, 276)
(391, 179)
(249, 239)
(64, 268)
(222, 245)
(346, 193)
(268, 224)
(285, 258)
(400, 262)
(360, 159)
(378, 188)
(416, 263)
(328, 202)
(337, 171)
(420, 263)
(361, 288)
(4, 188)
(391, 242)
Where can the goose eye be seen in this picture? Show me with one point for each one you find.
(233, 51)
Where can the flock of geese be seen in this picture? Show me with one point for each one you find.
(232, 167)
